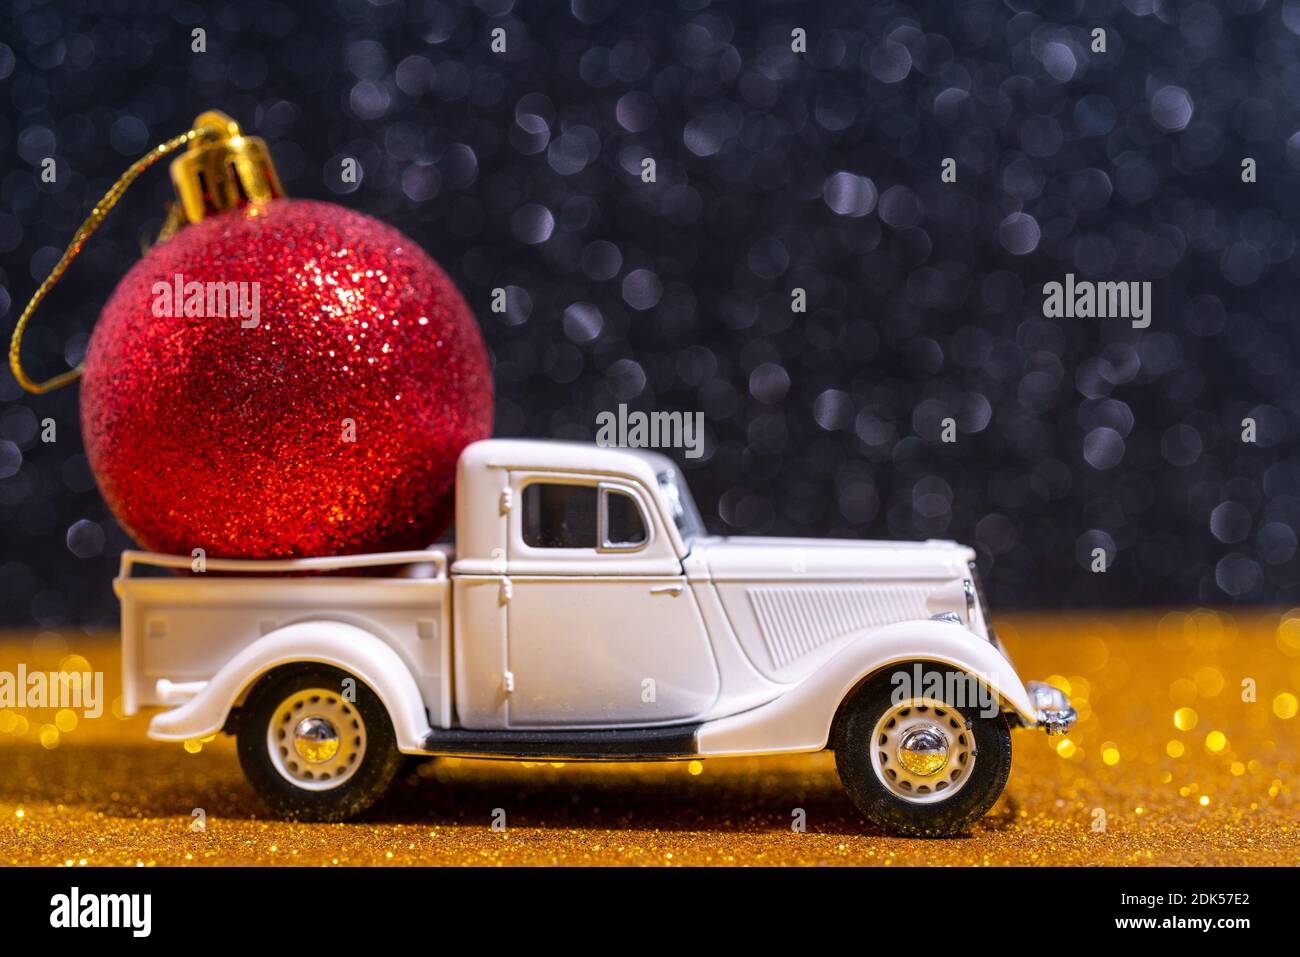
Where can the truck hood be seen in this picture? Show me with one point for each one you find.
(811, 559)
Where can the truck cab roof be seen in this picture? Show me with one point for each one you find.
(550, 455)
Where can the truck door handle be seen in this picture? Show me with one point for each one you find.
(673, 590)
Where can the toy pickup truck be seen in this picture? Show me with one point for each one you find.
(585, 614)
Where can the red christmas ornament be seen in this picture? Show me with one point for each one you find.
(322, 413)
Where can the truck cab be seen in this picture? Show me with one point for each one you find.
(584, 613)
(574, 576)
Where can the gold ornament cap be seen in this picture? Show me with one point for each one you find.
(222, 169)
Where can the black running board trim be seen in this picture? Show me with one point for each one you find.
(631, 744)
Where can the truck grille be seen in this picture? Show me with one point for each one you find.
(983, 602)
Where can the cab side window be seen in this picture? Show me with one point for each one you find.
(559, 516)
(623, 526)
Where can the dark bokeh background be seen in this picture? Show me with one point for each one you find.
(775, 171)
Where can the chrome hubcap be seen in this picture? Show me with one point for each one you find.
(922, 751)
(316, 739)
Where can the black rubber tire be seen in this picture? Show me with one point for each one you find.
(369, 782)
(851, 741)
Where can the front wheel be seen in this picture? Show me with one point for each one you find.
(917, 763)
(316, 744)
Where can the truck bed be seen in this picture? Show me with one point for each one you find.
(180, 627)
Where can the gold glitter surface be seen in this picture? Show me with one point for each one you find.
(1167, 765)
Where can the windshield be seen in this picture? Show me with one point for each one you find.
(680, 505)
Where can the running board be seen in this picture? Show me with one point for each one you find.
(632, 744)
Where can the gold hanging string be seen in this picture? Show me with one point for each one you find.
(92, 222)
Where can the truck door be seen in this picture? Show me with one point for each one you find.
(603, 628)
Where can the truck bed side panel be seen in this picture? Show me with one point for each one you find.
(185, 629)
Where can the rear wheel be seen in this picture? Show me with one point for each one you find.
(316, 744)
(918, 764)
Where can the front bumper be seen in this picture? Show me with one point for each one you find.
(1052, 708)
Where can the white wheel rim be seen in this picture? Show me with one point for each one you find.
(316, 739)
(906, 726)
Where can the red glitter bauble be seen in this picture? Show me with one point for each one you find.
(328, 420)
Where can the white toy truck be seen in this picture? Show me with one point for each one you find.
(585, 615)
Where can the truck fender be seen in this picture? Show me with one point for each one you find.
(800, 719)
(344, 646)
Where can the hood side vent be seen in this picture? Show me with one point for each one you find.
(797, 619)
